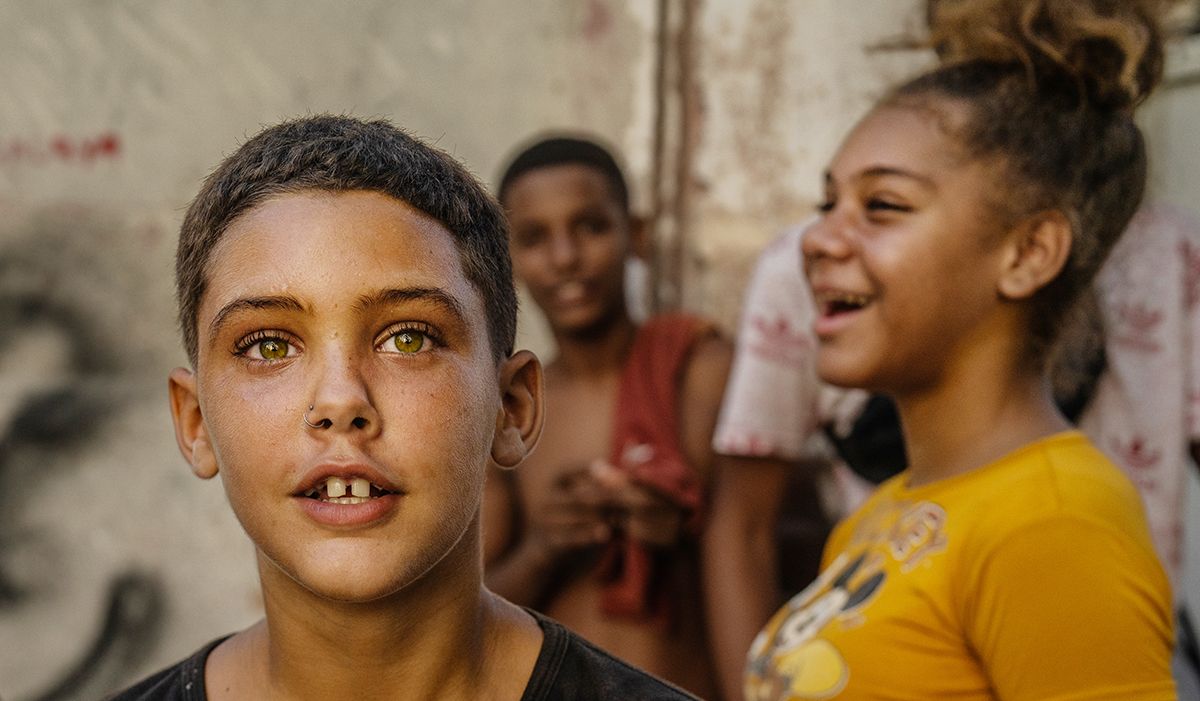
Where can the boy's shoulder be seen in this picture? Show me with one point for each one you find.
(182, 681)
(569, 667)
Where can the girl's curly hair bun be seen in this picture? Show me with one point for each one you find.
(1107, 51)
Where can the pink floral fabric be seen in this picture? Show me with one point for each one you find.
(774, 401)
(1146, 409)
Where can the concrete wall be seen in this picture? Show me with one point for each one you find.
(780, 84)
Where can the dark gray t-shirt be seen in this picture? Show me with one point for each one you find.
(568, 668)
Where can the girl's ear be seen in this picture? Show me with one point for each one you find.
(519, 421)
(190, 431)
(1037, 251)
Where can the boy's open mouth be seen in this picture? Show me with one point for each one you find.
(353, 490)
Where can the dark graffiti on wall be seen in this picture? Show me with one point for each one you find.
(63, 377)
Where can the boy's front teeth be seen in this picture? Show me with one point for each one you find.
(360, 487)
(335, 488)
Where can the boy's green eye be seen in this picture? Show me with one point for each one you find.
(409, 341)
(273, 349)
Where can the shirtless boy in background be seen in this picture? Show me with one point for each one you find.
(558, 532)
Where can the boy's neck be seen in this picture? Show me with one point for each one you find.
(595, 353)
(435, 640)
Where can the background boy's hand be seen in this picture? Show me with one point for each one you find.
(573, 515)
(641, 512)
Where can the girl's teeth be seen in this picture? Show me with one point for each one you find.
(360, 487)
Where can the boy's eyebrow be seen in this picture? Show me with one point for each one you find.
(396, 295)
(383, 297)
(281, 303)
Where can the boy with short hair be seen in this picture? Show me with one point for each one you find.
(601, 528)
(347, 306)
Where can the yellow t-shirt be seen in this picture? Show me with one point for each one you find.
(1029, 578)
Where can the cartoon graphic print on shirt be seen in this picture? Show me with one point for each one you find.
(789, 660)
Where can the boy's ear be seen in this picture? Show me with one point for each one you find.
(1037, 251)
(519, 421)
(190, 432)
(639, 237)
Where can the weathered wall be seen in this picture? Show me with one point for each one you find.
(780, 84)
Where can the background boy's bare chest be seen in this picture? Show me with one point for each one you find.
(578, 430)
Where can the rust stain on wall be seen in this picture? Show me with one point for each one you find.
(603, 64)
(756, 101)
(598, 21)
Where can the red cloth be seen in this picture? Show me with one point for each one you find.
(646, 446)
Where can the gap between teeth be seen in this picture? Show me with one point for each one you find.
(336, 488)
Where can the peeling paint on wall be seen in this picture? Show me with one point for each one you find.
(755, 61)
(781, 85)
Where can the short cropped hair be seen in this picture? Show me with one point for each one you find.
(567, 150)
(338, 154)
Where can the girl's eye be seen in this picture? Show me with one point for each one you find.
(826, 207)
(407, 341)
(887, 206)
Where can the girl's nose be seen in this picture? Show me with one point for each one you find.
(828, 237)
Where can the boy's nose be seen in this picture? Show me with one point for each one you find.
(341, 401)
(564, 250)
